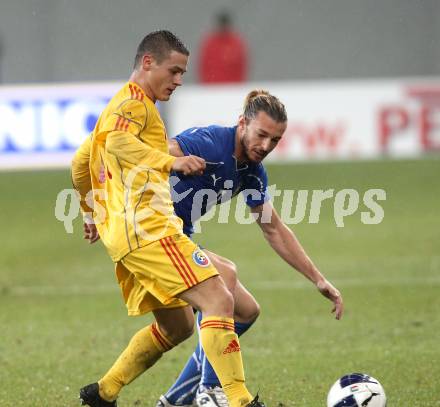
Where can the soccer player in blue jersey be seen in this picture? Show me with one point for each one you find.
(233, 158)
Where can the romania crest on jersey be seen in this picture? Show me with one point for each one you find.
(200, 258)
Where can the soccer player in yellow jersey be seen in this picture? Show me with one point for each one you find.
(121, 173)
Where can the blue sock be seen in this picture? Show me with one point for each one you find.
(209, 378)
(184, 389)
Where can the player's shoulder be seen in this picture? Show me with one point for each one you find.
(210, 142)
(132, 103)
(223, 132)
(211, 132)
(132, 95)
(223, 138)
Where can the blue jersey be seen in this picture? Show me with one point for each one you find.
(223, 178)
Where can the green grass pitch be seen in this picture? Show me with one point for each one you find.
(63, 321)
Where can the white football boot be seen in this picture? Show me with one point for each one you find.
(163, 402)
(211, 397)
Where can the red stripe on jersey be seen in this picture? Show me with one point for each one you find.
(117, 123)
(138, 93)
(126, 123)
(171, 247)
(131, 91)
(174, 263)
(141, 96)
(188, 268)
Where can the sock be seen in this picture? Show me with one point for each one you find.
(197, 371)
(184, 389)
(209, 378)
(144, 350)
(222, 348)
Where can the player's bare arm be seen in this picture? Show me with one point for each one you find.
(174, 148)
(287, 246)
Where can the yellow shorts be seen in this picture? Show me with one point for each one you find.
(152, 276)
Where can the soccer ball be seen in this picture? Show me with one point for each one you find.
(356, 390)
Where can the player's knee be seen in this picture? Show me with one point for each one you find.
(248, 313)
(225, 302)
(220, 302)
(183, 333)
(254, 312)
(229, 274)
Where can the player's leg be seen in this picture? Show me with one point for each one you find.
(147, 345)
(175, 268)
(246, 311)
(198, 370)
(219, 341)
(246, 308)
(183, 391)
(171, 327)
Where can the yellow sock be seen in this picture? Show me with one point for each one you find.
(222, 349)
(144, 349)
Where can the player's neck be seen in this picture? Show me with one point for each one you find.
(142, 83)
(239, 151)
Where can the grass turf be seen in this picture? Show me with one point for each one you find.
(63, 321)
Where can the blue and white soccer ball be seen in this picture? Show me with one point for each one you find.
(357, 390)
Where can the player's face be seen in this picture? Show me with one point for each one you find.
(165, 77)
(260, 136)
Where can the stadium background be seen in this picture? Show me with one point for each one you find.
(346, 62)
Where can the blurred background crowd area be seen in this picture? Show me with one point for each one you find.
(60, 40)
(360, 79)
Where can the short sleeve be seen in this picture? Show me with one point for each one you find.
(200, 142)
(254, 189)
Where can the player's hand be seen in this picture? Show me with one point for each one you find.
(189, 165)
(90, 232)
(333, 294)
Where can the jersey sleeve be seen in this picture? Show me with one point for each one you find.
(200, 142)
(80, 173)
(254, 189)
(123, 128)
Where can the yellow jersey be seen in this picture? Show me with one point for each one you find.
(126, 165)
